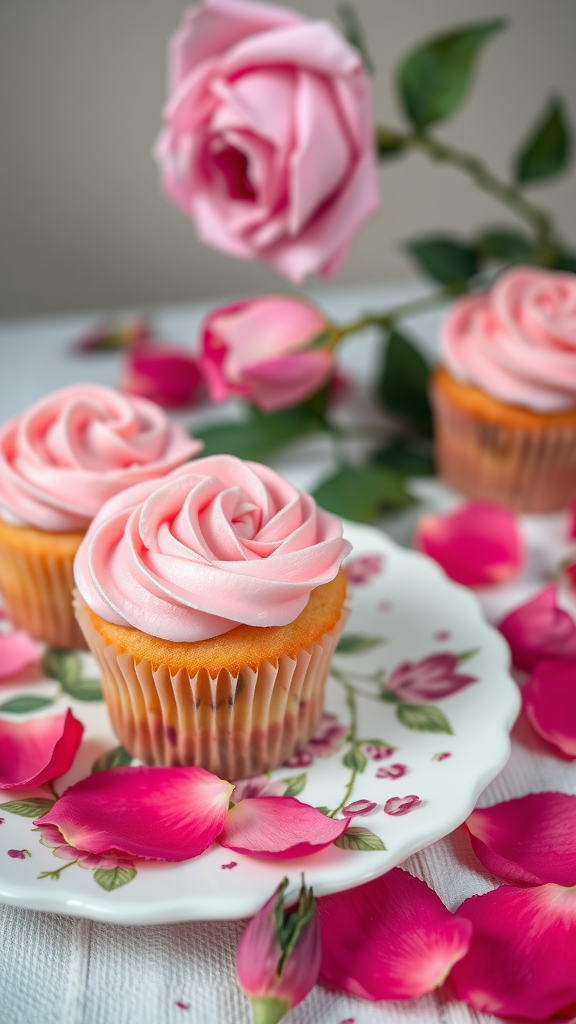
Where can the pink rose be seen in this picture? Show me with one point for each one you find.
(257, 349)
(168, 376)
(268, 138)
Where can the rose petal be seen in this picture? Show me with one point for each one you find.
(528, 840)
(358, 807)
(17, 651)
(38, 750)
(521, 960)
(278, 827)
(476, 545)
(549, 701)
(168, 376)
(539, 629)
(391, 938)
(168, 814)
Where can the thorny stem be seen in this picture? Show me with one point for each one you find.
(55, 875)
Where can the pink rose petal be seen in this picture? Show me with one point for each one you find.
(391, 938)
(358, 807)
(169, 814)
(168, 376)
(38, 750)
(278, 827)
(539, 629)
(530, 840)
(52, 837)
(17, 651)
(398, 805)
(479, 544)
(549, 701)
(521, 961)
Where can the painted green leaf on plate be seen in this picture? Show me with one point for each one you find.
(22, 705)
(295, 785)
(355, 643)
(113, 878)
(423, 718)
(356, 838)
(115, 758)
(34, 808)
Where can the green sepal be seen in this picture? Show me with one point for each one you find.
(268, 1009)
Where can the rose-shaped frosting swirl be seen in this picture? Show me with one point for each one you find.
(76, 448)
(518, 341)
(215, 544)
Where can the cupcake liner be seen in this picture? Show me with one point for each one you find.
(232, 724)
(530, 469)
(37, 592)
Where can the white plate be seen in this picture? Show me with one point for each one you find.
(411, 611)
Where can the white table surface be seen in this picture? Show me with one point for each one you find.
(57, 970)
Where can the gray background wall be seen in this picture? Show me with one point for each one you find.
(82, 221)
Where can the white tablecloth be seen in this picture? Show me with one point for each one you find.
(58, 970)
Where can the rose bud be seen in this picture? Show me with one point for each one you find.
(278, 957)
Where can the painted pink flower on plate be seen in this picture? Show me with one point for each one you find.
(521, 957)
(529, 840)
(257, 785)
(358, 808)
(403, 951)
(268, 135)
(539, 629)
(399, 805)
(479, 544)
(431, 678)
(363, 568)
(277, 827)
(17, 651)
(170, 814)
(37, 750)
(275, 972)
(51, 836)
(378, 751)
(166, 375)
(549, 702)
(326, 741)
(261, 350)
(392, 771)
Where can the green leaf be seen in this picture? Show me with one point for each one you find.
(546, 151)
(567, 261)
(434, 79)
(85, 689)
(504, 244)
(65, 666)
(113, 878)
(444, 259)
(116, 758)
(389, 144)
(404, 459)
(466, 655)
(403, 384)
(34, 808)
(356, 838)
(355, 643)
(324, 810)
(295, 784)
(261, 434)
(355, 758)
(423, 718)
(21, 705)
(361, 493)
(354, 32)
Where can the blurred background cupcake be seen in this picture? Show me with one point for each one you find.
(212, 601)
(59, 462)
(504, 396)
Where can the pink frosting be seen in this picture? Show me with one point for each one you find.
(76, 448)
(217, 543)
(518, 341)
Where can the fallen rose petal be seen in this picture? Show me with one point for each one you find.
(393, 771)
(539, 629)
(362, 569)
(37, 750)
(398, 805)
(17, 651)
(479, 544)
(51, 836)
(391, 938)
(169, 814)
(529, 840)
(168, 376)
(358, 807)
(549, 702)
(521, 961)
(278, 827)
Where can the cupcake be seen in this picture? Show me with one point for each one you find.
(504, 398)
(59, 462)
(212, 601)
